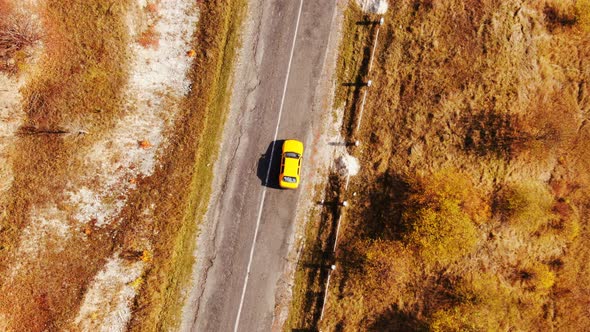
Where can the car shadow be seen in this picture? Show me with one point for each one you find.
(265, 163)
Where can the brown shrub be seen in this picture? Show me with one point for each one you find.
(150, 38)
(17, 32)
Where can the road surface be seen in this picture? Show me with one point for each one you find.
(244, 242)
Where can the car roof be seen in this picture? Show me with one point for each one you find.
(292, 145)
(291, 165)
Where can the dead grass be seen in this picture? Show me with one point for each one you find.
(87, 43)
(314, 263)
(352, 64)
(18, 33)
(495, 91)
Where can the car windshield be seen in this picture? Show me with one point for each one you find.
(289, 179)
(291, 155)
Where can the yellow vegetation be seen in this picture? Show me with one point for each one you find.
(583, 13)
(438, 225)
(528, 205)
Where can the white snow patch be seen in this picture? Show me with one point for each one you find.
(347, 165)
(164, 67)
(106, 304)
(11, 117)
(373, 6)
(41, 231)
(48, 230)
(91, 206)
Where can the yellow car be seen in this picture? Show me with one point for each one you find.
(291, 164)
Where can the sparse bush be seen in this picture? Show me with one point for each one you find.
(438, 226)
(442, 233)
(491, 305)
(527, 205)
(567, 220)
(17, 32)
(454, 319)
(536, 277)
(151, 7)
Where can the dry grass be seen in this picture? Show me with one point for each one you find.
(180, 207)
(316, 258)
(18, 32)
(495, 91)
(80, 87)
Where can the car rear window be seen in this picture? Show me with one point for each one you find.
(292, 155)
(289, 179)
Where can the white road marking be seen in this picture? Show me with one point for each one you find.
(237, 323)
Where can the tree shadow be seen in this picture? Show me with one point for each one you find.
(367, 22)
(395, 320)
(316, 266)
(386, 208)
(269, 165)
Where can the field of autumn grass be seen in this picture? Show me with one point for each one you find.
(110, 101)
(471, 211)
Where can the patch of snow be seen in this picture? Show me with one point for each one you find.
(347, 165)
(163, 68)
(373, 6)
(11, 117)
(48, 228)
(91, 206)
(106, 304)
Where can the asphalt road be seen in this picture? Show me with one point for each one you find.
(244, 243)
